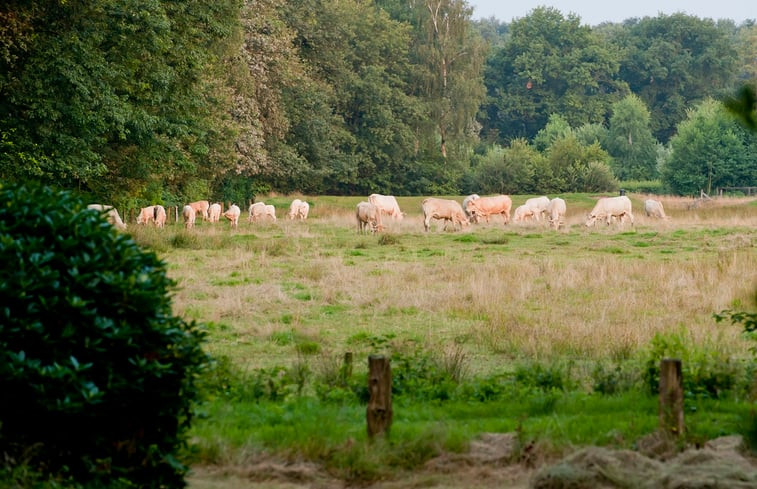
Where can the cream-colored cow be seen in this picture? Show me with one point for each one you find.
(539, 205)
(444, 209)
(146, 215)
(201, 207)
(256, 212)
(111, 215)
(298, 209)
(367, 216)
(610, 208)
(556, 212)
(387, 204)
(524, 212)
(214, 212)
(653, 208)
(189, 215)
(232, 214)
(270, 211)
(465, 206)
(486, 206)
(160, 216)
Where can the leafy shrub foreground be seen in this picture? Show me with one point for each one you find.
(97, 375)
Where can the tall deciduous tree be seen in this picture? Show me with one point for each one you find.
(711, 149)
(674, 61)
(630, 141)
(448, 57)
(354, 124)
(550, 64)
(108, 96)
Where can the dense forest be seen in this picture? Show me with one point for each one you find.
(161, 101)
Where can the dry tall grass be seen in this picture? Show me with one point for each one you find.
(497, 292)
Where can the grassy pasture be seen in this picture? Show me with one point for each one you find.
(484, 301)
(498, 292)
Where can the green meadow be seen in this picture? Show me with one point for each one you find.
(555, 335)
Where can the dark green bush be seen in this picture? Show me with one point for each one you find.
(97, 375)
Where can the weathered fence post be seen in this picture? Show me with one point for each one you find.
(671, 397)
(347, 367)
(379, 411)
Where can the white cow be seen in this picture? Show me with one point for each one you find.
(270, 211)
(539, 205)
(466, 200)
(298, 209)
(201, 207)
(653, 208)
(556, 212)
(146, 215)
(367, 216)
(256, 212)
(232, 214)
(189, 215)
(523, 212)
(160, 216)
(387, 204)
(609, 208)
(448, 210)
(112, 215)
(214, 212)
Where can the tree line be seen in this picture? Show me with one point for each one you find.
(157, 101)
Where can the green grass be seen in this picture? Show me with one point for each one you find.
(335, 435)
(577, 308)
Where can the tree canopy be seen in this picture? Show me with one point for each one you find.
(139, 102)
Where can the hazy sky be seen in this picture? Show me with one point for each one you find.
(594, 12)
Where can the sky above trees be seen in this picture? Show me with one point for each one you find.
(595, 12)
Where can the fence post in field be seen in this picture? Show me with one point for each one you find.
(379, 411)
(671, 397)
(176, 214)
(347, 367)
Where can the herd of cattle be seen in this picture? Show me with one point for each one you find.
(474, 208)
(370, 215)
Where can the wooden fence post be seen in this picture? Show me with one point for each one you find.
(671, 397)
(379, 411)
(347, 367)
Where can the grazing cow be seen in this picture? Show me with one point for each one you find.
(465, 207)
(232, 214)
(214, 212)
(367, 215)
(201, 207)
(653, 208)
(189, 215)
(160, 216)
(387, 204)
(111, 215)
(556, 212)
(448, 210)
(298, 209)
(539, 204)
(270, 211)
(146, 215)
(523, 212)
(609, 208)
(256, 212)
(486, 206)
